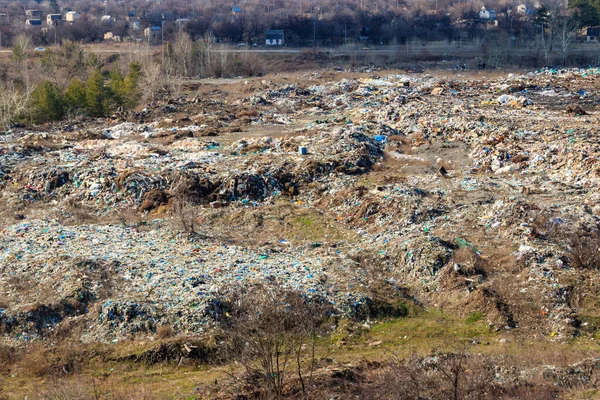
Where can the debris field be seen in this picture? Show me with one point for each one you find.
(445, 191)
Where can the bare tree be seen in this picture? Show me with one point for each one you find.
(441, 376)
(154, 82)
(183, 54)
(13, 102)
(566, 31)
(272, 332)
(20, 47)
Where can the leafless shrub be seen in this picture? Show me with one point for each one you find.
(272, 333)
(183, 212)
(154, 82)
(80, 213)
(584, 248)
(13, 103)
(581, 245)
(456, 376)
(90, 389)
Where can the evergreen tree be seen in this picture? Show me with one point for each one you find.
(95, 94)
(47, 103)
(117, 85)
(542, 16)
(131, 84)
(587, 12)
(75, 95)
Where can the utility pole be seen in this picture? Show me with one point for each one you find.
(315, 33)
(315, 28)
(162, 37)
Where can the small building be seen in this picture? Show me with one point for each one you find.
(131, 15)
(33, 22)
(152, 33)
(236, 12)
(4, 18)
(487, 14)
(111, 36)
(593, 34)
(274, 37)
(522, 9)
(53, 19)
(180, 22)
(135, 25)
(72, 16)
(33, 14)
(106, 18)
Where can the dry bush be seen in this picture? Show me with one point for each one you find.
(67, 391)
(272, 333)
(80, 213)
(164, 332)
(51, 362)
(443, 376)
(183, 212)
(384, 299)
(90, 389)
(584, 246)
(35, 362)
(14, 102)
(581, 244)
(459, 375)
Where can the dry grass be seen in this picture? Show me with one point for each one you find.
(164, 332)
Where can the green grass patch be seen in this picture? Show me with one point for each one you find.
(474, 317)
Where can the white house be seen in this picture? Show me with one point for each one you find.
(487, 14)
(52, 19)
(72, 16)
(274, 38)
(33, 22)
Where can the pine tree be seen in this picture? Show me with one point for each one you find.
(117, 85)
(47, 103)
(75, 96)
(587, 12)
(131, 84)
(542, 17)
(95, 94)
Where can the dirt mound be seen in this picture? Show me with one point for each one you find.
(575, 109)
(193, 187)
(154, 199)
(497, 311)
(177, 351)
(423, 258)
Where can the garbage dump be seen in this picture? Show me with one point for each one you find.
(294, 184)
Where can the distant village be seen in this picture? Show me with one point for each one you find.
(259, 24)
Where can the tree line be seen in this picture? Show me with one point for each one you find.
(93, 97)
(323, 22)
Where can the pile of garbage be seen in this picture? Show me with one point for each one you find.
(390, 171)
